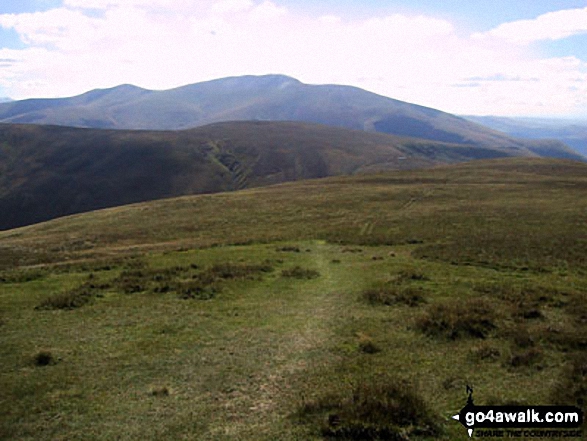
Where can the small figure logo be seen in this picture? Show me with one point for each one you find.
(460, 417)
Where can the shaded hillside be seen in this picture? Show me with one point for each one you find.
(51, 171)
(270, 97)
(464, 209)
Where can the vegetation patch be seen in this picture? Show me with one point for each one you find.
(410, 275)
(21, 276)
(197, 289)
(377, 409)
(297, 272)
(566, 337)
(571, 389)
(525, 357)
(43, 358)
(485, 352)
(577, 308)
(189, 282)
(367, 345)
(458, 319)
(233, 271)
(289, 249)
(74, 298)
(389, 294)
(352, 250)
(159, 391)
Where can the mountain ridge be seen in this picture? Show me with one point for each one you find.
(266, 97)
(52, 171)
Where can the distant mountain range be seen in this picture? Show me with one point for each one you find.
(571, 132)
(245, 132)
(265, 98)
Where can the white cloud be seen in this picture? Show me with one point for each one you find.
(551, 26)
(161, 44)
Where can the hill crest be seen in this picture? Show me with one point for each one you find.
(266, 98)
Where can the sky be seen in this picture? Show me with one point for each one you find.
(474, 57)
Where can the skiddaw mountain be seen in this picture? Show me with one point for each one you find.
(269, 98)
(48, 171)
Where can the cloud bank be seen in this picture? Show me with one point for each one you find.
(160, 44)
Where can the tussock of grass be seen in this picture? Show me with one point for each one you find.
(297, 272)
(232, 271)
(74, 298)
(160, 391)
(188, 281)
(132, 281)
(367, 345)
(377, 409)
(21, 276)
(485, 352)
(577, 308)
(566, 337)
(525, 357)
(408, 275)
(528, 312)
(521, 337)
(43, 358)
(352, 250)
(197, 289)
(289, 249)
(458, 319)
(67, 300)
(571, 389)
(389, 295)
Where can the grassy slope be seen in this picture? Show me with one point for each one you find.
(269, 357)
(47, 172)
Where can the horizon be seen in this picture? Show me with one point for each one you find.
(483, 58)
(545, 119)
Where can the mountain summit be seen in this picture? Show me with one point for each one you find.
(268, 98)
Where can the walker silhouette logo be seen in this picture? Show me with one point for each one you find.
(474, 417)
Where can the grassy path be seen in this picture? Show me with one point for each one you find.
(313, 310)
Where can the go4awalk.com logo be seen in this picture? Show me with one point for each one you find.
(518, 421)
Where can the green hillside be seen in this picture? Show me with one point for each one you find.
(341, 308)
(268, 98)
(50, 171)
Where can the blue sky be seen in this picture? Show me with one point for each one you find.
(523, 57)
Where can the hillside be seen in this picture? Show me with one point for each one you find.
(572, 133)
(51, 171)
(269, 97)
(308, 310)
(357, 209)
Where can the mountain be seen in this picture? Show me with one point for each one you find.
(5, 99)
(52, 171)
(270, 98)
(572, 133)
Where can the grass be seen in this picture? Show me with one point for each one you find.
(458, 319)
(188, 328)
(375, 409)
(297, 272)
(392, 295)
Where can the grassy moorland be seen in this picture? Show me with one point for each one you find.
(344, 308)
